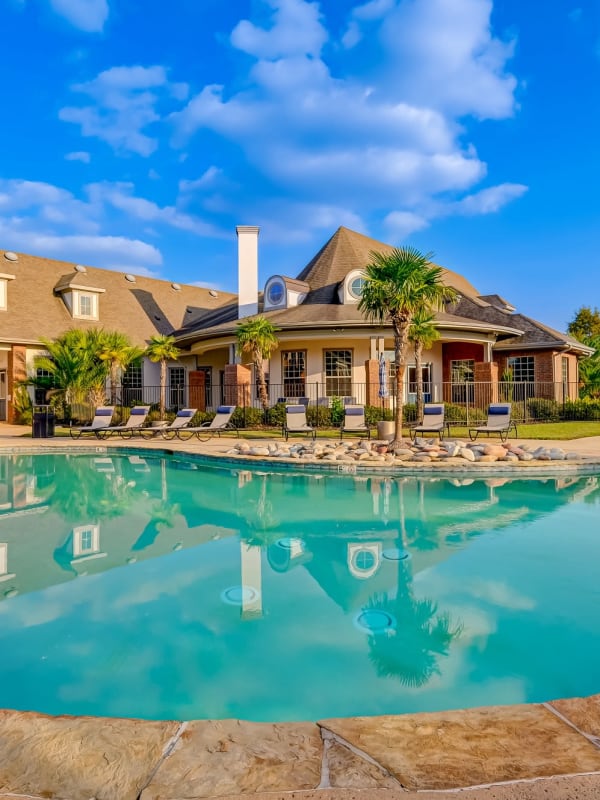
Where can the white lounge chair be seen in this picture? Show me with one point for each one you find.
(182, 419)
(295, 422)
(432, 422)
(137, 417)
(498, 421)
(220, 422)
(102, 418)
(354, 421)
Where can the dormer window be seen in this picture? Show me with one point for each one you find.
(356, 287)
(275, 293)
(4, 279)
(86, 305)
(83, 301)
(351, 288)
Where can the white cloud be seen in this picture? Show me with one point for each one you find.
(79, 155)
(120, 196)
(444, 51)
(106, 228)
(126, 102)
(392, 145)
(87, 15)
(296, 30)
(402, 223)
(490, 200)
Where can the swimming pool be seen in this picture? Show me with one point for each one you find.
(158, 587)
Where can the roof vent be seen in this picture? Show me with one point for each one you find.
(129, 277)
(176, 286)
(80, 268)
(213, 293)
(10, 256)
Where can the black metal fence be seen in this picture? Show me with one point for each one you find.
(465, 402)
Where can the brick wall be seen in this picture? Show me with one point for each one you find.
(459, 351)
(17, 371)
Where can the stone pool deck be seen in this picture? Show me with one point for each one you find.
(529, 752)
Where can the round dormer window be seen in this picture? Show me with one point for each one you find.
(356, 287)
(275, 293)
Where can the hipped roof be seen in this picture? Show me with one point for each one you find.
(36, 309)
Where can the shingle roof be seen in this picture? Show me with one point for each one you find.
(344, 252)
(348, 250)
(536, 334)
(142, 309)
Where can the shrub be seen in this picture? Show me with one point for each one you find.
(580, 410)
(543, 410)
(248, 417)
(22, 405)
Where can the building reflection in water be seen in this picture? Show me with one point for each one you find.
(361, 539)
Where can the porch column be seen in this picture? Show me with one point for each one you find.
(372, 385)
(486, 383)
(237, 385)
(17, 371)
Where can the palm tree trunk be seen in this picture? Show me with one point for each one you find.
(163, 388)
(400, 342)
(419, 371)
(262, 385)
(113, 384)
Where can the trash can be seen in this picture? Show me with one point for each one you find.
(43, 422)
(385, 430)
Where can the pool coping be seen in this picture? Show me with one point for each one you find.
(495, 752)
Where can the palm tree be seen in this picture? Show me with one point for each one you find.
(257, 337)
(397, 285)
(422, 333)
(118, 353)
(162, 348)
(77, 374)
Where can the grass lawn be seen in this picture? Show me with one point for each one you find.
(542, 430)
(545, 430)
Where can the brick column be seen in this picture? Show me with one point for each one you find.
(237, 385)
(17, 371)
(486, 383)
(372, 385)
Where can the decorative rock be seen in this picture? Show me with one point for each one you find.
(525, 456)
(403, 451)
(494, 450)
(467, 454)
(259, 451)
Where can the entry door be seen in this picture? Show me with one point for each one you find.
(2, 395)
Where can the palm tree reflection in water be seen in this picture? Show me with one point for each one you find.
(410, 650)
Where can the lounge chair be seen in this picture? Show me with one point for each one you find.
(102, 417)
(137, 417)
(498, 421)
(354, 421)
(432, 422)
(182, 420)
(295, 422)
(220, 422)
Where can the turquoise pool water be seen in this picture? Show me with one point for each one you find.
(153, 587)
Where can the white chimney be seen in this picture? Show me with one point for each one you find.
(247, 270)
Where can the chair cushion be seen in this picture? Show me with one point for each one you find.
(437, 410)
(225, 409)
(295, 410)
(138, 412)
(104, 412)
(499, 410)
(355, 412)
(186, 412)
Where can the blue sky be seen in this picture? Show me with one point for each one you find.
(136, 134)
